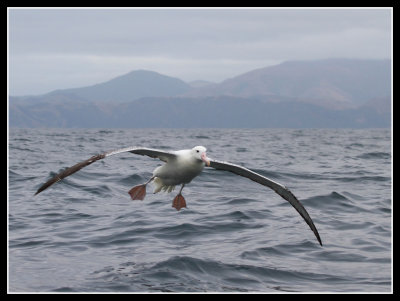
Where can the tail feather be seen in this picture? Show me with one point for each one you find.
(159, 185)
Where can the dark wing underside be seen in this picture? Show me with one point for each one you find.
(150, 152)
(278, 188)
(153, 153)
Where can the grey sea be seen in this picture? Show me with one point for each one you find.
(85, 234)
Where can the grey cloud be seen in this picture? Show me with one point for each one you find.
(183, 41)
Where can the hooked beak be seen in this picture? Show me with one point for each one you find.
(205, 159)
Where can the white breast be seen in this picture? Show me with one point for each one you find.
(182, 170)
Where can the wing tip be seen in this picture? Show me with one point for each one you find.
(41, 188)
(319, 239)
(315, 231)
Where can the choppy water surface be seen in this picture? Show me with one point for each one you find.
(85, 234)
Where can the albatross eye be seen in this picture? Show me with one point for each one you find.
(197, 150)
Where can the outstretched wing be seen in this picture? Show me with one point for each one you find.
(278, 188)
(153, 153)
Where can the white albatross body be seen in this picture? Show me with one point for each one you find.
(180, 168)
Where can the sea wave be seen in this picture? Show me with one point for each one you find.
(86, 234)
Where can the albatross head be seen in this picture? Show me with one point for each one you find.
(199, 152)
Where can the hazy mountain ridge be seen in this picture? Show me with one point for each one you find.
(325, 93)
(341, 82)
(177, 112)
(133, 85)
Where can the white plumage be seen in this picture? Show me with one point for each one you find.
(181, 169)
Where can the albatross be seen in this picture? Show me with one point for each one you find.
(180, 168)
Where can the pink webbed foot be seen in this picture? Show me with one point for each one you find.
(179, 202)
(138, 192)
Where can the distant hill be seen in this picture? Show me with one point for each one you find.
(334, 83)
(208, 112)
(130, 86)
(200, 83)
(324, 93)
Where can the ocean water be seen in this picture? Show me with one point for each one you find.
(85, 234)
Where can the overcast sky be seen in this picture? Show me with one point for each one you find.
(64, 48)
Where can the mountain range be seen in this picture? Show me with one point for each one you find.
(321, 93)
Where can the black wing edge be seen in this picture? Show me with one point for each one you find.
(69, 171)
(302, 211)
(280, 189)
(153, 153)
